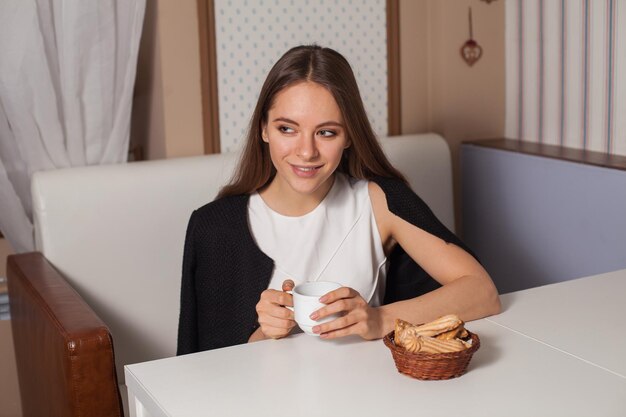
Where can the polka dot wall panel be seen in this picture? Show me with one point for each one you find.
(252, 34)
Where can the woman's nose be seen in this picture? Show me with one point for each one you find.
(307, 148)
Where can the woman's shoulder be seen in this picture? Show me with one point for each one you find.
(222, 211)
(231, 202)
(384, 192)
(392, 185)
(400, 198)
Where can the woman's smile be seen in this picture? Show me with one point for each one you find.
(306, 171)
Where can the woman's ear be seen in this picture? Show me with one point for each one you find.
(348, 144)
(264, 133)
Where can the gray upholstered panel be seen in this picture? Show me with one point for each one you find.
(535, 220)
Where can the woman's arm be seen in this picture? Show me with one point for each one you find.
(187, 321)
(467, 289)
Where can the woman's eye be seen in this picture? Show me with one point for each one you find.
(327, 133)
(285, 129)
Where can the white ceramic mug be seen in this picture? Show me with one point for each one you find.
(306, 300)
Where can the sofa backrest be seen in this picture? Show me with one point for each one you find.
(116, 232)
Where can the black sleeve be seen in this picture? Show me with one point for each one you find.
(188, 319)
(405, 278)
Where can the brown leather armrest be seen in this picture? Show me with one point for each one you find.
(64, 352)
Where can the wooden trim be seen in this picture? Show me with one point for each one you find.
(393, 68)
(208, 72)
(557, 152)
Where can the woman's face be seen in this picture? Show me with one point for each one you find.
(306, 136)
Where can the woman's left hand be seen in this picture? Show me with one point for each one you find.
(358, 317)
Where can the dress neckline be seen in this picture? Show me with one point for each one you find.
(337, 178)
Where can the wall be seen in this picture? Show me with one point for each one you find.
(5, 250)
(459, 102)
(466, 102)
(9, 388)
(414, 72)
(440, 93)
(10, 405)
(167, 111)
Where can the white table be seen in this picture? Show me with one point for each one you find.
(585, 317)
(512, 374)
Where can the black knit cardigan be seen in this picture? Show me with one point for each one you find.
(224, 271)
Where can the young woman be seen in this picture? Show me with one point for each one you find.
(314, 198)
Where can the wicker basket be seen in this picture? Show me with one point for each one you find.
(431, 366)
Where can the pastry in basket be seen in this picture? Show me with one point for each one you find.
(458, 333)
(443, 335)
(443, 325)
(426, 344)
(439, 326)
(401, 331)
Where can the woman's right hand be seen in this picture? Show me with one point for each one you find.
(275, 319)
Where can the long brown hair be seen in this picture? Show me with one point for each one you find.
(364, 159)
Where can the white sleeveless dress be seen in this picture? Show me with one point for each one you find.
(337, 241)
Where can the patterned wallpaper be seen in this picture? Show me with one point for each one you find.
(252, 34)
(565, 66)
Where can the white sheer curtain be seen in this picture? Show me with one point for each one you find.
(67, 71)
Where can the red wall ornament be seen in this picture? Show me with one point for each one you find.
(471, 51)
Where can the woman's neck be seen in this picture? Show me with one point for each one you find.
(283, 199)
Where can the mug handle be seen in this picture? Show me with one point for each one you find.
(289, 307)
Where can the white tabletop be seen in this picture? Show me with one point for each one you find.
(584, 317)
(510, 374)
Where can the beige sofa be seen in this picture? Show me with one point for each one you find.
(106, 275)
